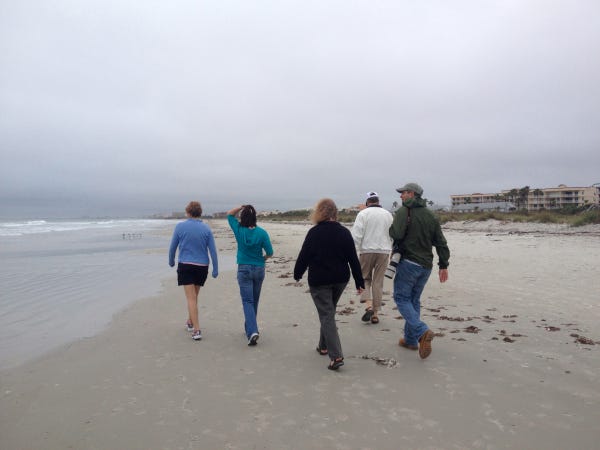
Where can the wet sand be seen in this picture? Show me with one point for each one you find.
(515, 362)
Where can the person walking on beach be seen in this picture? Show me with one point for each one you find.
(195, 241)
(252, 241)
(415, 230)
(327, 252)
(371, 236)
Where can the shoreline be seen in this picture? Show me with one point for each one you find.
(505, 369)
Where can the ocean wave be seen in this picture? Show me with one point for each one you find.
(25, 227)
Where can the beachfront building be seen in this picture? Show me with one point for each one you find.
(480, 202)
(530, 199)
(484, 206)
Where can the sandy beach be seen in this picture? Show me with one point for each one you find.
(515, 362)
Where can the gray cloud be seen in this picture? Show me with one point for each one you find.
(127, 108)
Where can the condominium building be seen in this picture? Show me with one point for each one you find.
(530, 199)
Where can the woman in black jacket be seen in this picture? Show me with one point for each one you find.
(329, 254)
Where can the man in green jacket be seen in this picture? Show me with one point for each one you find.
(415, 230)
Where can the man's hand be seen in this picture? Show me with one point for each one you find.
(443, 275)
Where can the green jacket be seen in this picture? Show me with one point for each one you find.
(416, 237)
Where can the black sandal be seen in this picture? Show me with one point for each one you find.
(367, 315)
(374, 319)
(336, 364)
(322, 351)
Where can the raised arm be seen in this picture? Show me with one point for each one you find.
(234, 211)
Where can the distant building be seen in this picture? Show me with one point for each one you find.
(481, 202)
(529, 199)
(484, 206)
(561, 197)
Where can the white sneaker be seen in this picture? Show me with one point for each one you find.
(197, 335)
(190, 326)
(253, 339)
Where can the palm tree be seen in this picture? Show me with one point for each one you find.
(524, 196)
(537, 193)
(512, 196)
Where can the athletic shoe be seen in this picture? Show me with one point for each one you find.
(190, 326)
(197, 335)
(253, 339)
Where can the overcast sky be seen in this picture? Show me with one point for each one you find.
(122, 107)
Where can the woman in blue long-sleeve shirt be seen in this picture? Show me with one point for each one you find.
(195, 241)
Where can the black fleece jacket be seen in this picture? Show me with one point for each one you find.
(327, 251)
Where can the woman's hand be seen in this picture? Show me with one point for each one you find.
(234, 211)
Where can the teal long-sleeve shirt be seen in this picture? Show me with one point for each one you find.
(251, 243)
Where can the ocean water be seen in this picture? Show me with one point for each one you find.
(64, 280)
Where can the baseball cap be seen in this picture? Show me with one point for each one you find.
(413, 187)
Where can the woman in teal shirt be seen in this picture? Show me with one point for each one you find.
(252, 241)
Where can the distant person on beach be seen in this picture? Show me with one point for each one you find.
(195, 241)
(415, 231)
(254, 247)
(329, 255)
(371, 237)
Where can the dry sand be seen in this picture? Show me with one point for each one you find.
(515, 364)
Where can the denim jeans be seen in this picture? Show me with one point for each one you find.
(409, 283)
(250, 279)
(326, 299)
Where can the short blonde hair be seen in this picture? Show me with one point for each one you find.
(325, 209)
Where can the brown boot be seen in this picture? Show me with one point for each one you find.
(425, 344)
(403, 343)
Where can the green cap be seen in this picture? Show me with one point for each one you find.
(412, 187)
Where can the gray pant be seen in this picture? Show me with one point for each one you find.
(326, 299)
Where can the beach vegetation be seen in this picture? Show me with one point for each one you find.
(296, 215)
(303, 215)
(572, 216)
(587, 218)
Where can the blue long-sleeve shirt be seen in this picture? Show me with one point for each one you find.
(195, 241)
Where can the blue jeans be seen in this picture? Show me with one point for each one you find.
(250, 279)
(409, 283)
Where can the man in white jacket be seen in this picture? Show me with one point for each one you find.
(371, 237)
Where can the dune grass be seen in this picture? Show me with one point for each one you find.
(571, 217)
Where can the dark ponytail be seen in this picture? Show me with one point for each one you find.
(248, 216)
